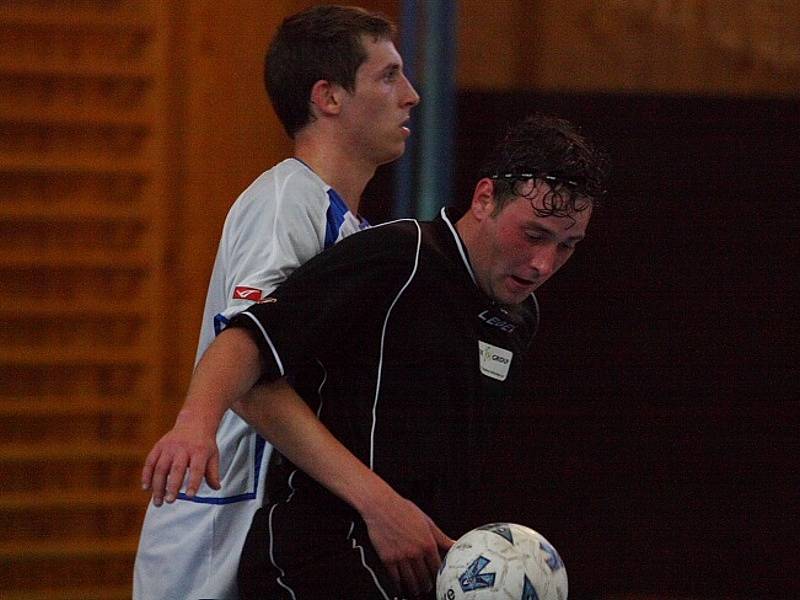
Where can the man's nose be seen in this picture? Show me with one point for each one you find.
(544, 260)
(412, 97)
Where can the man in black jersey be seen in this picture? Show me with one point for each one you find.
(403, 338)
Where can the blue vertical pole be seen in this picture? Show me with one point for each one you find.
(437, 108)
(403, 205)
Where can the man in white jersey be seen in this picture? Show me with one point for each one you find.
(336, 82)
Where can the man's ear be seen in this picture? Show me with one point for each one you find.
(326, 97)
(483, 204)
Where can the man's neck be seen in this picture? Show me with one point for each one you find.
(343, 172)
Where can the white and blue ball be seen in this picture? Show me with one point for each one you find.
(502, 561)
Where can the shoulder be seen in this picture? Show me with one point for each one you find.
(395, 237)
(286, 191)
(374, 252)
(289, 180)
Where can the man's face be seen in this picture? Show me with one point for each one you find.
(517, 250)
(375, 116)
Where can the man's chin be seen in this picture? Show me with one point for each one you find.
(393, 156)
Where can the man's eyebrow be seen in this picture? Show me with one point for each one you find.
(541, 228)
(395, 66)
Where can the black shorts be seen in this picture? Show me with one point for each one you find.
(297, 552)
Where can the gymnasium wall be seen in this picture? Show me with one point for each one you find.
(655, 431)
(127, 128)
(671, 46)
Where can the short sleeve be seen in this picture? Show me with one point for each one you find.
(266, 242)
(353, 282)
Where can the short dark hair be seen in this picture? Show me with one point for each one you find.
(319, 43)
(549, 149)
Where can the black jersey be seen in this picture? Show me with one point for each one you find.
(415, 360)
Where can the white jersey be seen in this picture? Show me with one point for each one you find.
(190, 549)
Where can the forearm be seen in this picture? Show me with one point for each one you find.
(227, 371)
(405, 539)
(286, 421)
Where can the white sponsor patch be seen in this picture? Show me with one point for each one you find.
(495, 361)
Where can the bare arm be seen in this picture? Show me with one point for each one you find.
(228, 369)
(406, 540)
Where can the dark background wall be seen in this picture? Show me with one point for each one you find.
(655, 438)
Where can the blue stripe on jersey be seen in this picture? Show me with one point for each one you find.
(260, 443)
(337, 210)
(220, 323)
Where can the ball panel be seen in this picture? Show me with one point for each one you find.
(502, 561)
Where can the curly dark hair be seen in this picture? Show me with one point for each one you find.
(548, 149)
(319, 43)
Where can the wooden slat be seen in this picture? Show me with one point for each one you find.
(48, 211)
(82, 593)
(98, 259)
(72, 115)
(78, 356)
(19, 162)
(99, 307)
(70, 453)
(76, 18)
(71, 407)
(78, 550)
(135, 499)
(58, 67)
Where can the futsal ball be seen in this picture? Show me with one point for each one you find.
(502, 561)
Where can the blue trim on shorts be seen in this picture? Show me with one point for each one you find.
(259, 454)
(220, 323)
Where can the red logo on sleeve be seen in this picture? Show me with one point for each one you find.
(246, 293)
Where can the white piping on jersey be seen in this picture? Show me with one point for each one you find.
(272, 556)
(272, 537)
(290, 496)
(538, 316)
(384, 224)
(357, 546)
(321, 385)
(459, 245)
(269, 341)
(383, 339)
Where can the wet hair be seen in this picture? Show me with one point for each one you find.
(551, 150)
(319, 43)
